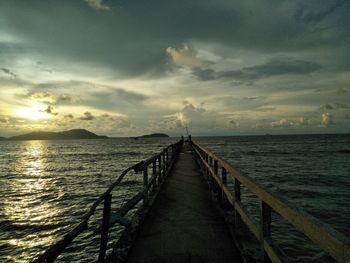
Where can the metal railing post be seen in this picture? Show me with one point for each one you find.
(145, 186)
(216, 167)
(167, 158)
(163, 163)
(160, 168)
(154, 172)
(217, 187)
(265, 227)
(205, 167)
(238, 200)
(104, 227)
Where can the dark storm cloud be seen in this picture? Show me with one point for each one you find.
(272, 68)
(72, 30)
(133, 35)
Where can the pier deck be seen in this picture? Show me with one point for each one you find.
(183, 224)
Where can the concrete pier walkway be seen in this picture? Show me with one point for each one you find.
(183, 224)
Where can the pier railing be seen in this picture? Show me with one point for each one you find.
(159, 164)
(328, 239)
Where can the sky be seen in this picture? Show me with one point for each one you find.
(133, 67)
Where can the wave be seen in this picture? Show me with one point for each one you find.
(294, 152)
(29, 228)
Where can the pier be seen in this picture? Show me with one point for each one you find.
(184, 225)
(188, 212)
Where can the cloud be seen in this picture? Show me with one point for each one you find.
(8, 72)
(47, 97)
(130, 96)
(281, 67)
(125, 61)
(293, 123)
(303, 121)
(200, 120)
(327, 119)
(335, 106)
(341, 106)
(69, 116)
(307, 15)
(87, 116)
(233, 123)
(185, 56)
(271, 68)
(49, 110)
(64, 99)
(109, 99)
(326, 107)
(341, 91)
(141, 32)
(246, 103)
(181, 119)
(283, 123)
(4, 120)
(98, 5)
(42, 97)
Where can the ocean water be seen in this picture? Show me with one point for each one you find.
(46, 186)
(311, 172)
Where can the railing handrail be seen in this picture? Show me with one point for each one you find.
(56, 249)
(327, 238)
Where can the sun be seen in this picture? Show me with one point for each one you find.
(35, 112)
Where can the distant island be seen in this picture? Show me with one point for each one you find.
(64, 135)
(153, 135)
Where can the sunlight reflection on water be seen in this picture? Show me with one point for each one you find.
(46, 186)
(29, 206)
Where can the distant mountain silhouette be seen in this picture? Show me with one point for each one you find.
(2, 138)
(155, 135)
(71, 134)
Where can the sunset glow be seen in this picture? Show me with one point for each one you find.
(35, 112)
(124, 68)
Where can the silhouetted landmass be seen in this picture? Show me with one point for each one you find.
(155, 135)
(3, 138)
(71, 134)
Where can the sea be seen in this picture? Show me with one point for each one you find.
(47, 186)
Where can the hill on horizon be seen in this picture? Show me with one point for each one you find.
(70, 134)
(155, 135)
